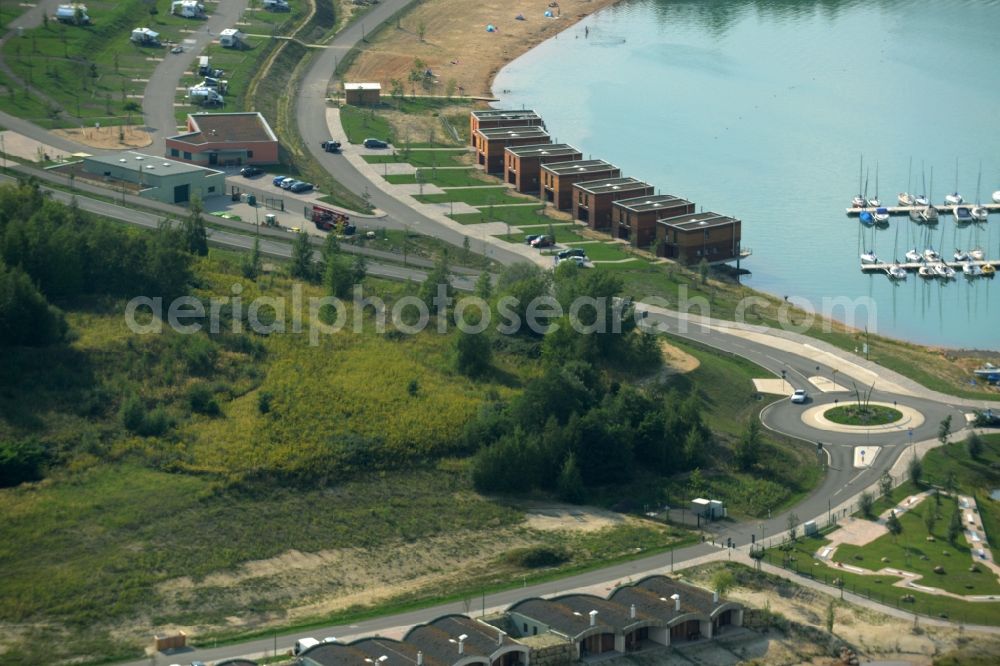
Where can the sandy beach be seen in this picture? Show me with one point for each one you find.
(456, 45)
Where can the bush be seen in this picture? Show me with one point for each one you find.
(202, 401)
(264, 402)
(537, 557)
(133, 414)
(20, 462)
(865, 503)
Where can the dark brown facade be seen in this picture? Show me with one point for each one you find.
(635, 219)
(592, 199)
(490, 118)
(691, 238)
(558, 179)
(491, 143)
(523, 164)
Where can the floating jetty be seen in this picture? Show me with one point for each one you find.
(942, 208)
(915, 265)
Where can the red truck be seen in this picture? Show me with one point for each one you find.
(327, 219)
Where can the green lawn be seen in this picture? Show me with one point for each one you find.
(871, 415)
(442, 177)
(907, 550)
(564, 234)
(879, 588)
(421, 158)
(603, 251)
(974, 476)
(362, 123)
(474, 196)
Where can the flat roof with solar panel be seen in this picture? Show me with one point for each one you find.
(653, 202)
(578, 166)
(543, 150)
(506, 114)
(608, 185)
(519, 132)
(698, 221)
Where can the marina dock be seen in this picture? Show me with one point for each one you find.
(881, 267)
(942, 208)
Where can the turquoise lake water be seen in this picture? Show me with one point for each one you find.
(761, 110)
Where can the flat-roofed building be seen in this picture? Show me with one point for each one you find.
(558, 179)
(491, 143)
(593, 199)
(523, 164)
(225, 139)
(489, 118)
(635, 219)
(690, 238)
(361, 94)
(157, 178)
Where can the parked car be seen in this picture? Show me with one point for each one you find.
(299, 187)
(287, 183)
(579, 261)
(276, 181)
(375, 143)
(177, 49)
(542, 241)
(572, 252)
(251, 171)
(529, 239)
(330, 146)
(799, 397)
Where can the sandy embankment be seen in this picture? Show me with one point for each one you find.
(456, 46)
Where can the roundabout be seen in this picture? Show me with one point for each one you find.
(908, 419)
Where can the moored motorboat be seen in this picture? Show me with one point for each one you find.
(979, 213)
(906, 199)
(988, 270)
(896, 272)
(927, 272)
(881, 215)
(858, 202)
(962, 214)
(953, 199)
(961, 255)
(869, 257)
(996, 197)
(930, 254)
(944, 271)
(913, 256)
(866, 218)
(921, 200)
(977, 254)
(988, 371)
(971, 269)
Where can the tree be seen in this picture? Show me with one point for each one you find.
(793, 526)
(830, 617)
(944, 429)
(955, 525)
(195, 236)
(748, 446)
(885, 484)
(421, 30)
(474, 353)
(930, 516)
(570, 483)
(438, 276)
(723, 581)
(45, 20)
(893, 525)
(359, 269)
(251, 265)
(20, 462)
(337, 277)
(302, 266)
(975, 445)
(396, 90)
(915, 470)
(26, 318)
(865, 504)
(703, 269)
(484, 286)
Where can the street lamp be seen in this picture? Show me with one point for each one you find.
(783, 381)
(139, 160)
(834, 379)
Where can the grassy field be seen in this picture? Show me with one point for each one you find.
(603, 251)
(799, 558)
(422, 158)
(475, 196)
(441, 177)
(361, 123)
(872, 415)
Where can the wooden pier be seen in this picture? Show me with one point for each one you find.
(943, 209)
(912, 266)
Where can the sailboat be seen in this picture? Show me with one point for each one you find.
(954, 198)
(881, 215)
(996, 197)
(921, 199)
(931, 255)
(864, 216)
(944, 271)
(971, 269)
(905, 198)
(927, 272)
(979, 212)
(875, 202)
(896, 272)
(914, 257)
(961, 255)
(929, 214)
(859, 199)
(869, 257)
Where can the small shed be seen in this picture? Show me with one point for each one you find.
(360, 94)
(708, 509)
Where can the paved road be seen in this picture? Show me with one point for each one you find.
(310, 110)
(158, 98)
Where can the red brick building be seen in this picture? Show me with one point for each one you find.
(225, 139)
(558, 179)
(523, 164)
(690, 238)
(490, 118)
(491, 143)
(363, 94)
(635, 219)
(592, 199)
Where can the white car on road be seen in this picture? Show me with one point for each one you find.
(799, 397)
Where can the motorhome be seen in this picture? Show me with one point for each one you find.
(145, 37)
(205, 96)
(187, 8)
(75, 14)
(231, 38)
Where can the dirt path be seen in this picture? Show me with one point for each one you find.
(456, 46)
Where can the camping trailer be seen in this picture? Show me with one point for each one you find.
(145, 37)
(277, 5)
(187, 9)
(231, 38)
(75, 14)
(205, 96)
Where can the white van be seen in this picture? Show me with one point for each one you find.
(304, 644)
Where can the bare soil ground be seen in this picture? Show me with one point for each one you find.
(125, 136)
(561, 517)
(455, 43)
(420, 128)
